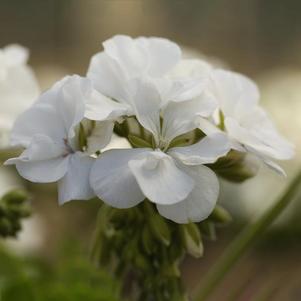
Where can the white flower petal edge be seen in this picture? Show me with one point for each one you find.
(156, 60)
(153, 56)
(113, 181)
(123, 178)
(246, 123)
(160, 179)
(42, 161)
(206, 151)
(18, 88)
(200, 202)
(48, 132)
(75, 183)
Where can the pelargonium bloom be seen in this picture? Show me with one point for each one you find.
(246, 123)
(49, 133)
(18, 88)
(175, 179)
(156, 60)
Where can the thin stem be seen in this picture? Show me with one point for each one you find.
(244, 240)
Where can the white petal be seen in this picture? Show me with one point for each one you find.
(15, 54)
(207, 126)
(274, 166)
(18, 90)
(262, 141)
(130, 55)
(108, 77)
(199, 203)
(46, 171)
(113, 181)
(235, 93)
(159, 178)
(42, 162)
(261, 127)
(146, 104)
(100, 107)
(206, 151)
(55, 113)
(100, 136)
(163, 54)
(189, 79)
(75, 184)
(180, 118)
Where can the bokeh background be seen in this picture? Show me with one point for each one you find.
(260, 38)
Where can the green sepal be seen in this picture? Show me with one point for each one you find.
(192, 240)
(220, 216)
(82, 139)
(138, 142)
(235, 167)
(160, 229)
(208, 229)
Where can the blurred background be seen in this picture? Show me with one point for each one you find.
(261, 39)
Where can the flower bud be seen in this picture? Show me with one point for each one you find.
(236, 167)
(192, 240)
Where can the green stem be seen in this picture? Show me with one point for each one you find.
(244, 240)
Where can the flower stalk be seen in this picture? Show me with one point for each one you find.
(145, 251)
(245, 239)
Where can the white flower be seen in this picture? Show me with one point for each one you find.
(246, 123)
(48, 132)
(18, 88)
(173, 178)
(125, 60)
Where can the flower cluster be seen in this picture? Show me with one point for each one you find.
(180, 116)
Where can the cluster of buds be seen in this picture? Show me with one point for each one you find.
(145, 250)
(13, 208)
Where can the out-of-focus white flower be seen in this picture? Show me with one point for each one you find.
(175, 179)
(246, 123)
(48, 132)
(18, 88)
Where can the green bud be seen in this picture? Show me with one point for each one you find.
(208, 229)
(82, 139)
(236, 167)
(17, 211)
(17, 196)
(6, 227)
(220, 215)
(138, 142)
(159, 228)
(192, 240)
(171, 270)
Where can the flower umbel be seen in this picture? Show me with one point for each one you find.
(187, 123)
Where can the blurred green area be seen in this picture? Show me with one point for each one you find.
(72, 277)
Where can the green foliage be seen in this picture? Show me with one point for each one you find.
(13, 208)
(145, 250)
(73, 278)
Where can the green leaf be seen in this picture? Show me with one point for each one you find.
(82, 139)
